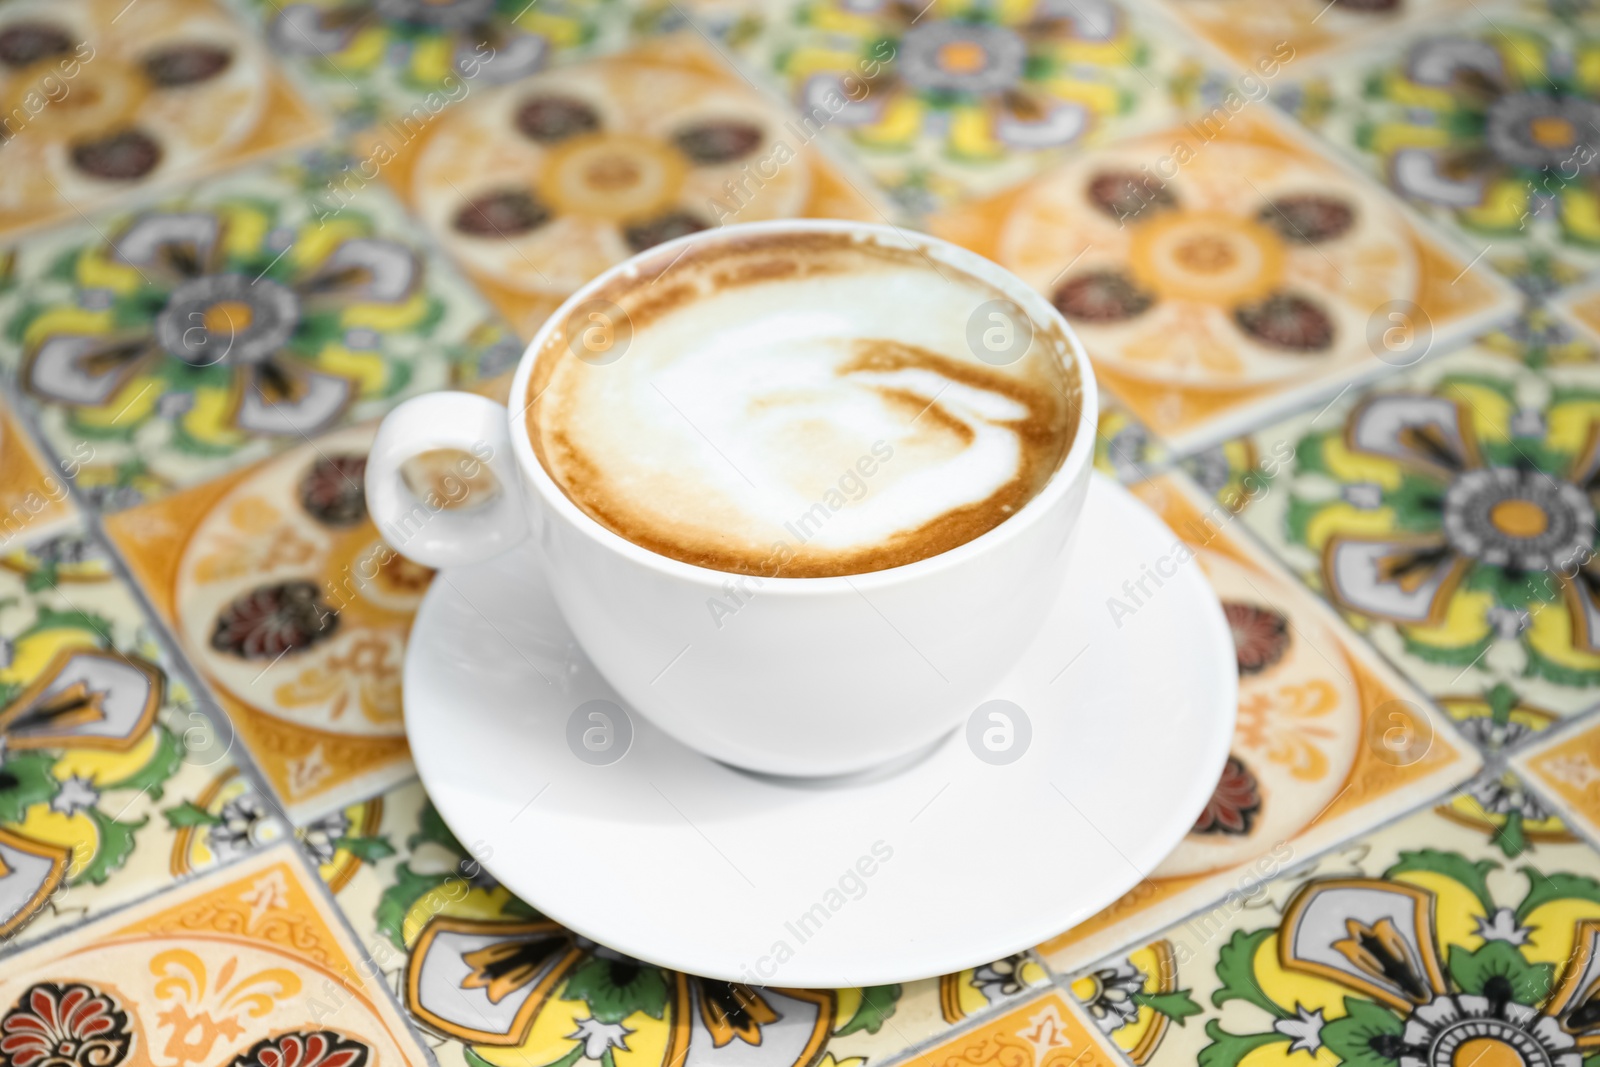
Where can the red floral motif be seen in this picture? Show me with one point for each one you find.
(1260, 635)
(274, 620)
(1233, 804)
(64, 1026)
(1308, 218)
(1286, 321)
(334, 490)
(318, 1048)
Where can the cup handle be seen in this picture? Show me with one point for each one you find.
(420, 529)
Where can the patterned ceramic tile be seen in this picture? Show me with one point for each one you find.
(408, 60)
(1566, 767)
(1487, 121)
(226, 323)
(1420, 944)
(248, 966)
(1329, 742)
(1246, 31)
(1255, 276)
(1447, 513)
(1496, 807)
(100, 99)
(1047, 1031)
(104, 752)
(285, 599)
(32, 496)
(437, 924)
(959, 97)
(536, 187)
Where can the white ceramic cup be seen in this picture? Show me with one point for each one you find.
(808, 676)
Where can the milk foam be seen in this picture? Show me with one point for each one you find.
(827, 420)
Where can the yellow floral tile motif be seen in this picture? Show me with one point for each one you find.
(1247, 32)
(294, 610)
(1447, 514)
(382, 60)
(537, 186)
(1220, 271)
(958, 98)
(164, 347)
(1417, 944)
(1328, 740)
(104, 750)
(491, 981)
(1483, 121)
(248, 966)
(1047, 1031)
(100, 101)
(1566, 767)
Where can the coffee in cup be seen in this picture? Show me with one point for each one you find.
(801, 405)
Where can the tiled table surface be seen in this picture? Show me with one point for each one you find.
(1335, 263)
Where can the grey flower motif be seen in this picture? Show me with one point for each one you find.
(1210, 469)
(1127, 451)
(97, 299)
(598, 1037)
(76, 794)
(174, 405)
(1508, 622)
(1528, 422)
(320, 837)
(1306, 1030)
(1503, 926)
(68, 548)
(1112, 1005)
(1366, 495)
(1002, 978)
(1492, 736)
(1437, 1030)
(1502, 795)
(245, 824)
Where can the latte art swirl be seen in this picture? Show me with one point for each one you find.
(799, 407)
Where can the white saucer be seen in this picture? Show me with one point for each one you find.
(676, 859)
